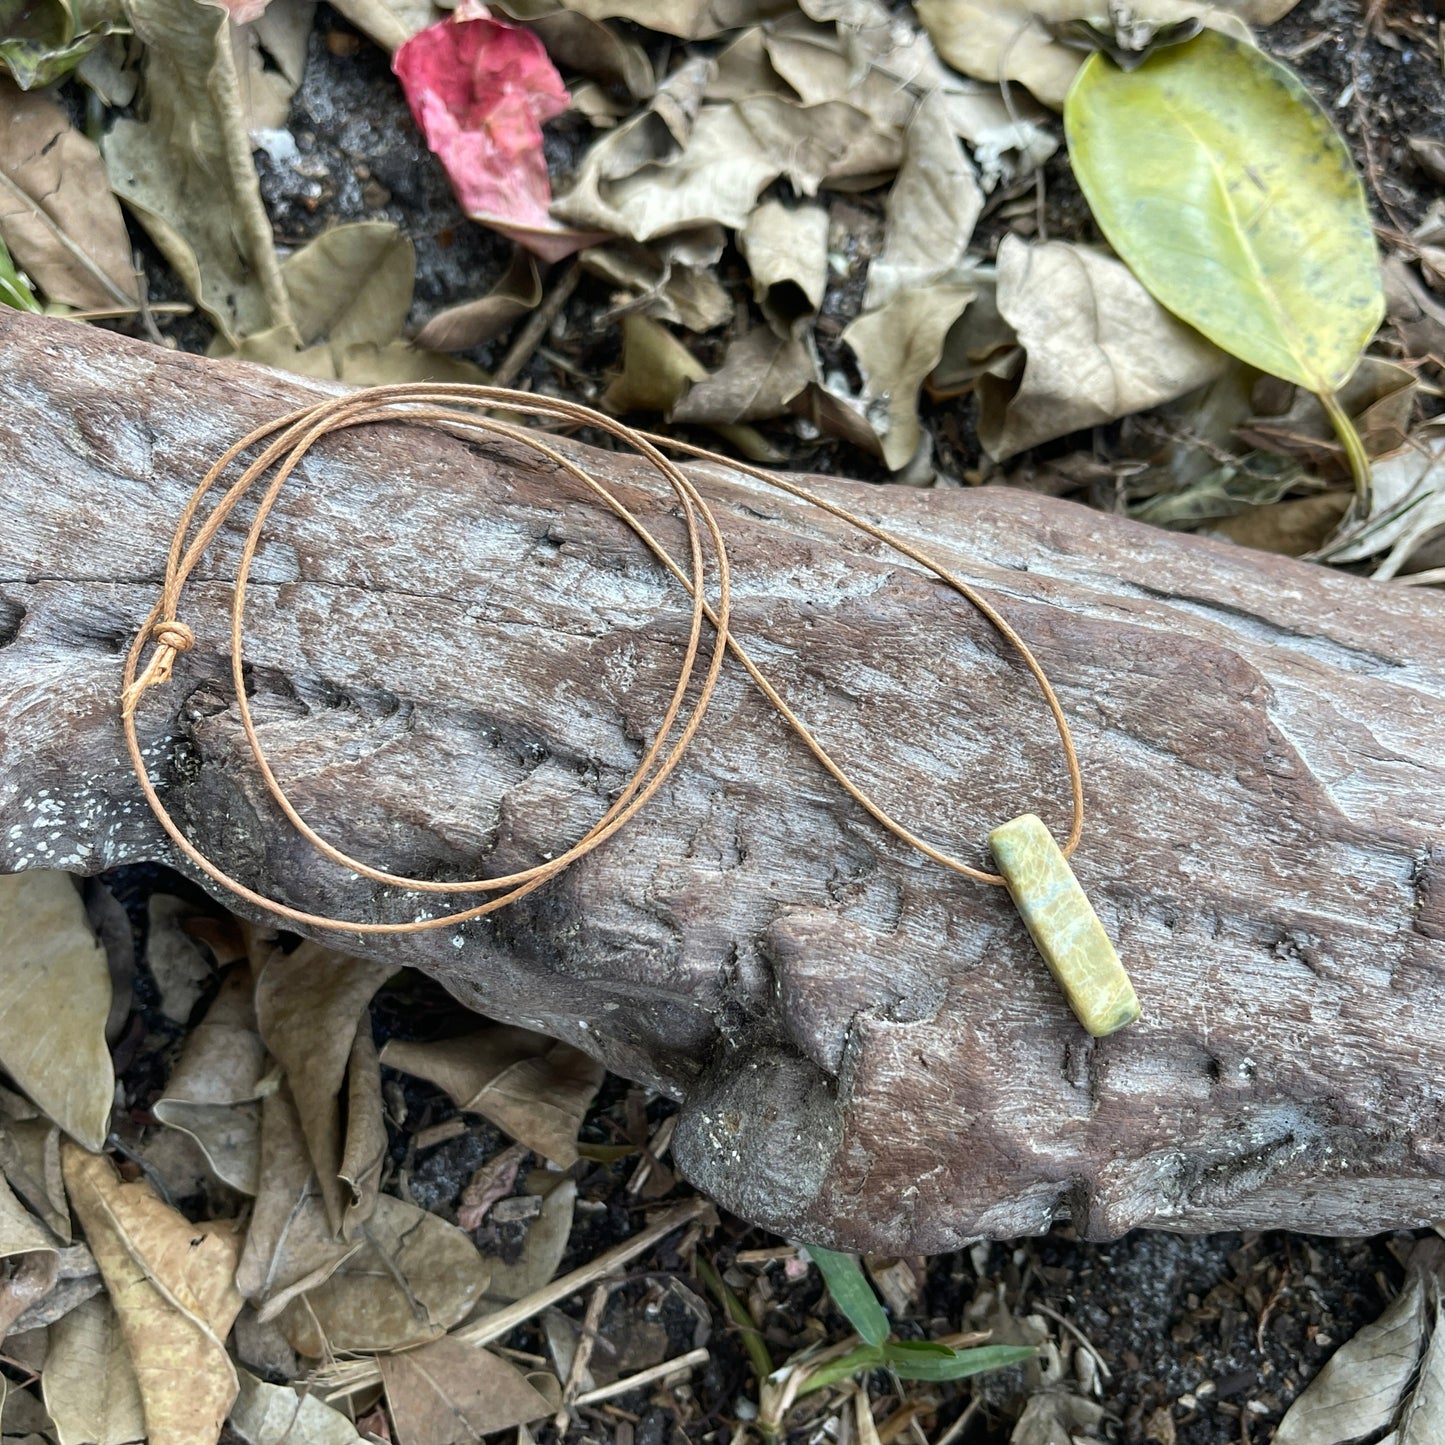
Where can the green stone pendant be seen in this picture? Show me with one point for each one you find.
(1064, 925)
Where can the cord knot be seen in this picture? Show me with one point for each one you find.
(171, 637)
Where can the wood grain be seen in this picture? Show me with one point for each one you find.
(455, 658)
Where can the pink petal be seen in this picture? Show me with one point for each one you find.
(479, 90)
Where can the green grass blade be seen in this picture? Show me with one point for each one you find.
(914, 1364)
(737, 1313)
(852, 1293)
(865, 1357)
(14, 289)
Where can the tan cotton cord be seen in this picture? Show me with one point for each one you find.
(462, 409)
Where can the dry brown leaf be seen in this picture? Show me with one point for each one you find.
(473, 322)
(685, 19)
(186, 170)
(20, 1232)
(579, 43)
(1408, 506)
(90, 1386)
(172, 1285)
(995, 40)
(761, 374)
(450, 1393)
(1098, 346)
(212, 1092)
(542, 1250)
(57, 214)
(649, 177)
(270, 56)
(1292, 527)
(309, 1004)
(290, 1244)
(29, 1280)
(675, 279)
(391, 23)
(279, 1415)
(897, 345)
(366, 1141)
(23, 1418)
(1358, 1392)
(786, 248)
(932, 208)
(411, 1278)
(180, 967)
(491, 1182)
(54, 998)
(531, 1087)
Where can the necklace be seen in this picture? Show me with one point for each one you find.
(1032, 866)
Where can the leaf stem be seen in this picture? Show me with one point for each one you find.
(1355, 453)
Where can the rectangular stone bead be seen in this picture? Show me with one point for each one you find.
(1064, 925)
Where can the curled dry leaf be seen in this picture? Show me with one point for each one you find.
(897, 345)
(491, 1182)
(685, 19)
(1098, 346)
(20, 1233)
(531, 1087)
(365, 1152)
(1017, 40)
(42, 40)
(678, 165)
(271, 59)
(278, 1415)
(77, 1280)
(786, 248)
(674, 279)
(212, 1093)
(30, 1162)
(290, 1245)
(542, 1250)
(172, 1285)
(1407, 508)
(472, 322)
(309, 1006)
(451, 1393)
(350, 290)
(1363, 1388)
(57, 215)
(760, 376)
(479, 90)
(391, 23)
(590, 48)
(186, 169)
(178, 965)
(411, 1277)
(54, 998)
(657, 370)
(90, 1386)
(931, 210)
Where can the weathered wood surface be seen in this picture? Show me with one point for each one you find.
(455, 659)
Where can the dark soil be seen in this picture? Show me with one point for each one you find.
(1206, 1339)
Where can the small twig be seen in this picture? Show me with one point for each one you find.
(529, 338)
(346, 1377)
(959, 1425)
(687, 1362)
(581, 1356)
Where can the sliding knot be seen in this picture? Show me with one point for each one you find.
(171, 637)
(174, 635)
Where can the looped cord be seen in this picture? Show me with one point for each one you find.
(468, 410)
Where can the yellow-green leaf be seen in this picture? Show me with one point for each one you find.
(1217, 177)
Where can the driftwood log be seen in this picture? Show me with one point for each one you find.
(456, 659)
